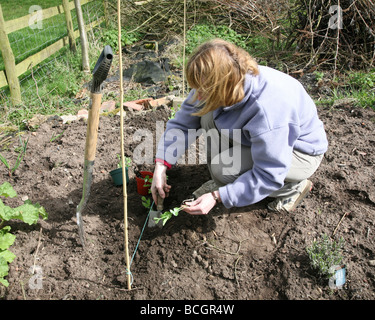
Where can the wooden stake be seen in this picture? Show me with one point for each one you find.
(9, 63)
(69, 25)
(122, 145)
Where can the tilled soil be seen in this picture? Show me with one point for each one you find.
(237, 254)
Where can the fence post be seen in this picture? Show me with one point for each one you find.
(83, 35)
(69, 24)
(9, 63)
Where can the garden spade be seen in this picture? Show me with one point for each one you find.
(100, 73)
(156, 214)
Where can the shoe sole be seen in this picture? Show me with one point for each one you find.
(302, 196)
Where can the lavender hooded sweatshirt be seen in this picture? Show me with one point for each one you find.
(275, 116)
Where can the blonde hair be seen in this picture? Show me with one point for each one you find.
(217, 71)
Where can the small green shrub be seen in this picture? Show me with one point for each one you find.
(362, 86)
(362, 80)
(146, 202)
(325, 253)
(110, 37)
(202, 32)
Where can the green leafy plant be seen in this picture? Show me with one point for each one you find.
(148, 181)
(361, 87)
(21, 154)
(165, 216)
(319, 75)
(325, 253)
(203, 32)
(362, 80)
(128, 162)
(146, 202)
(28, 213)
(110, 36)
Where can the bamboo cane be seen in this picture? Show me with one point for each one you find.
(183, 52)
(122, 145)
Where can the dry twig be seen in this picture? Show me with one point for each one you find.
(345, 214)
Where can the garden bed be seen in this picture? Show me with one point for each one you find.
(241, 253)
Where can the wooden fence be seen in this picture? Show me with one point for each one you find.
(9, 77)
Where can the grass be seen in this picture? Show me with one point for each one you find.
(59, 81)
(16, 9)
(21, 153)
(356, 85)
(362, 87)
(56, 86)
(27, 41)
(50, 87)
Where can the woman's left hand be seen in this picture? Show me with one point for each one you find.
(200, 206)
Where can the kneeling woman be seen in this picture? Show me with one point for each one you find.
(267, 120)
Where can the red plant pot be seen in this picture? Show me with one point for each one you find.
(141, 189)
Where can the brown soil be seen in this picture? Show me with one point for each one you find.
(241, 253)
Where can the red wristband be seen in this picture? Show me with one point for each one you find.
(168, 165)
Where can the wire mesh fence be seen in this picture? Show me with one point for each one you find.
(36, 83)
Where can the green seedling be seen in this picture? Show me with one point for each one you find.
(325, 253)
(148, 181)
(128, 162)
(146, 202)
(168, 214)
(21, 154)
(56, 137)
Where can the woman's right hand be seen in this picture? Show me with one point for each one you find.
(159, 182)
